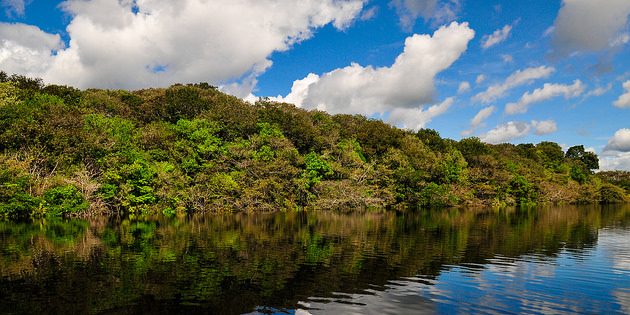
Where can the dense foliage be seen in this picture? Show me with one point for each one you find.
(193, 148)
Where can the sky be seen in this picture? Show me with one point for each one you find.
(504, 71)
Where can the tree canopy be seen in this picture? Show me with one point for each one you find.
(186, 148)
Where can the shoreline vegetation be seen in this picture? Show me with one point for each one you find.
(191, 148)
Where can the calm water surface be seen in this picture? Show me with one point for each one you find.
(556, 260)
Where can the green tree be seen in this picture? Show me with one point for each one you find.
(590, 159)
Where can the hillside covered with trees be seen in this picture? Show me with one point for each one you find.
(191, 148)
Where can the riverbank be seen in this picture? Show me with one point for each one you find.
(67, 152)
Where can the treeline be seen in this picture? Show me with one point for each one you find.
(193, 148)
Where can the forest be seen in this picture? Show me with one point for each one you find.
(191, 148)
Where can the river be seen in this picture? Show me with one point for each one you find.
(560, 260)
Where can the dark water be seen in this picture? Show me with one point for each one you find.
(556, 260)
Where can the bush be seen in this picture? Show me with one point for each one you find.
(62, 200)
(522, 190)
(611, 194)
(15, 201)
(316, 169)
(434, 195)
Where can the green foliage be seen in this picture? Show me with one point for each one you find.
(129, 185)
(8, 94)
(609, 193)
(432, 139)
(588, 159)
(267, 131)
(435, 195)
(111, 132)
(193, 148)
(69, 95)
(66, 199)
(550, 154)
(522, 190)
(578, 173)
(617, 178)
(471, 148)
(316, 169)
(16, 203)
(452, 167)
(201, 134)
(351, 152)
(183, 102)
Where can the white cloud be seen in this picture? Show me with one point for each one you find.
(369, 14)
(416, 118)
(507, 132)
(517, 129)
(548, 91)
(587, 25)
(599, 91)
(25, 48)
(30, 37)
(616, 153)
(497, 37)
(463, 87)
(620, 40)
(480, 78)
(165, 42)
(479, 118)
(14, 7)
(242, 89)
(618, 161)
(544, 127)
(439, 11)
(620, 141)
(299, 90)
(624, 99)
(408, 83)
(517, 78)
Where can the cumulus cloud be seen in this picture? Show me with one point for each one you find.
(438, 11)
(479, 118)
(408, 83)
(548, 91)
(517, 129)
(620, 141)
(497, 37)
(586, 25)
(463, 87)
(25, 48)
(134, 44)
(544, 127)
(506, 132)
(616, 153)
(618, 161)
(14, 7)
(624, 99)
(299, 90)
(416, 118)
(517, 78)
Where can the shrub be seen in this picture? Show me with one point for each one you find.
(611, 194)
(63, 200)
(15, 202)
(316, 169)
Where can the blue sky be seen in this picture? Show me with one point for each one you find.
(504, 71)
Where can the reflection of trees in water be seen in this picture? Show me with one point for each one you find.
(233, 263)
